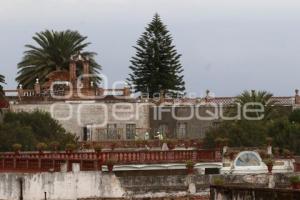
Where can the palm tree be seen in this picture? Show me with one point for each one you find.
(253, 98)
(53, 52)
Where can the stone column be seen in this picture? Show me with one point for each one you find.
(37, 87)
(271, 182)
(20, 91)
(161, 96)
(297, 98)
(86, 72)
(126, 91)
(72, 71)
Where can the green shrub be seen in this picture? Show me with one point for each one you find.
(269, 161)
(16, 147)
(29, 129)
(41, 146)
(189, 163)
(294, 179)
(97, 147)
(218, 181)
(70, 147)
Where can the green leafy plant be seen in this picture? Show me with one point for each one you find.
(295, 182)
(269, 161)
(41, 146)
(17, 147)
(263, 154)
(294, 179)
(276, 151)
(54, 145)
(28, 129)
(110, 164)
(269, 140)
(87, 145)
(111, 161)
(189, 164)
(113, 145)
(220, 141)
(70, 147)
(139, 143)
(97, 148)
(218, 181)
(52, 51)
(286, 152)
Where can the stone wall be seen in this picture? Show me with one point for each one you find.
(195, 124)
(243, 192)
(97, 185)
(75, 115)
(59, 186)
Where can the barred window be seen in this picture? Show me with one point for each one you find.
(112, 131)
(130, 131)
(181, 129)
(163, 128)
(87, 133)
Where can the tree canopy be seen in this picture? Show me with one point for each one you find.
(28, 129)
(156, 65)
(52, 52)
(253, 98)
(2, 80)
(281, 124)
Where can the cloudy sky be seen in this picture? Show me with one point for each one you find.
(227, 45)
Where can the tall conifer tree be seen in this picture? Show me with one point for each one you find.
(156, 65)
(2, 81)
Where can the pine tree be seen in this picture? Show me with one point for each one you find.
(2, 80)
(156, 65)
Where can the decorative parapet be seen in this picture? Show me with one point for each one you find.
(90, 161)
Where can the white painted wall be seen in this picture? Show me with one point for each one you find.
(60, 186)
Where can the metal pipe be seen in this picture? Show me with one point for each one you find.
(21, 188)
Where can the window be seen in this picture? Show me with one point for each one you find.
(181, 130)
(112, 131)
(247, 159)
(130, 131)
(87, 133)
(212, 171)
(163, 128)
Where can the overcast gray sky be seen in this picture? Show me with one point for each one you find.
(226, 45)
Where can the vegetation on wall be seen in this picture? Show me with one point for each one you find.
(29, 129)
(282, 125)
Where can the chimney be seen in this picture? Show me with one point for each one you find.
(161, 96)
(72, 71)
(37, 87)
(86, 73)
(20, 91)
(297, 98)
(207, 97)
(126, 91)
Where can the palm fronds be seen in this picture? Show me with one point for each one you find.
(51, 52)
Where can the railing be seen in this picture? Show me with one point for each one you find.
(136, 143)
(51, 161)
(90, 92)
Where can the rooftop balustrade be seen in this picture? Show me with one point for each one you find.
(89, 161)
